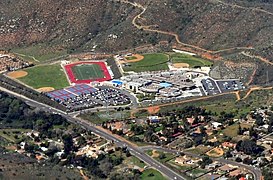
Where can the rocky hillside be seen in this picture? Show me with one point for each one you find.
(69, 24)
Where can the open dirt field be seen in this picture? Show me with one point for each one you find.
(45, 89)
(216, 152)
(17, 74)
(155, 154)
(153, 109)
(181, 65)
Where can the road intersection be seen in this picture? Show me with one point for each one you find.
(134, 150)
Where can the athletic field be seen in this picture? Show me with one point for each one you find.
(87, 71)
(45, 76)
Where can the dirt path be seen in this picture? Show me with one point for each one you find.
(256, 89)
(252, 77)
(247, 8)
(258, 57)
(209, 54)
(183, 101)
(32, 57)
(237, 93)
(176, 36)
(83, 175)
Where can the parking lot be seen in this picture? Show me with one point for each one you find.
(83, 96)
(231, 85)
(210, 87)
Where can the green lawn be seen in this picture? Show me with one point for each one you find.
(168, 156)
(137, 162)
(151, 62)
(45, 76)
(87, 71)
(192, 61)
(152, 174)
(39, 53)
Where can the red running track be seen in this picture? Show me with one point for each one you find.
(72, 77)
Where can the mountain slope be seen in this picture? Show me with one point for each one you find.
(210, 24)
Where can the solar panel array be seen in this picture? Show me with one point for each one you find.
(81, 89)
(71, 92)
(60, 95)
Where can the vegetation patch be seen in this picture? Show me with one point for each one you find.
(233, 130)
(198, 150)
(45, 76)
(151, 174)
(101, 117)
(39, 53)
(160, 156)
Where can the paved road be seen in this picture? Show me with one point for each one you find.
(255, 171)
(136, 151)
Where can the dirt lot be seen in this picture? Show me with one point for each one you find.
(181, 65)
(45, 89)
(17, 74)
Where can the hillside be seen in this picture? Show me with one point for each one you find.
(111, 25)
(210, 24)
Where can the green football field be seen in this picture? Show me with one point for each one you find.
(87, 71)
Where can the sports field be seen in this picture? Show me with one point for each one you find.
(87, 71)
(45, 76)
(151, 62)
(192, 61)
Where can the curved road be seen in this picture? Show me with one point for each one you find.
(136, 151)
(256, 172)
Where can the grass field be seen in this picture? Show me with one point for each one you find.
(232, 130)
(198, 150)
(151, 62)
(192, 61)
(100, 117)
(45, 76)
(39, 53)
(152, 174)
(137, 162)
(87, 71)
(167, 156)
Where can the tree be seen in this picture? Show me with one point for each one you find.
(106, 167)
(238, 159)
(162, 156)
(228, 154)
(249, 147)
(68, 143)
(240, 131)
